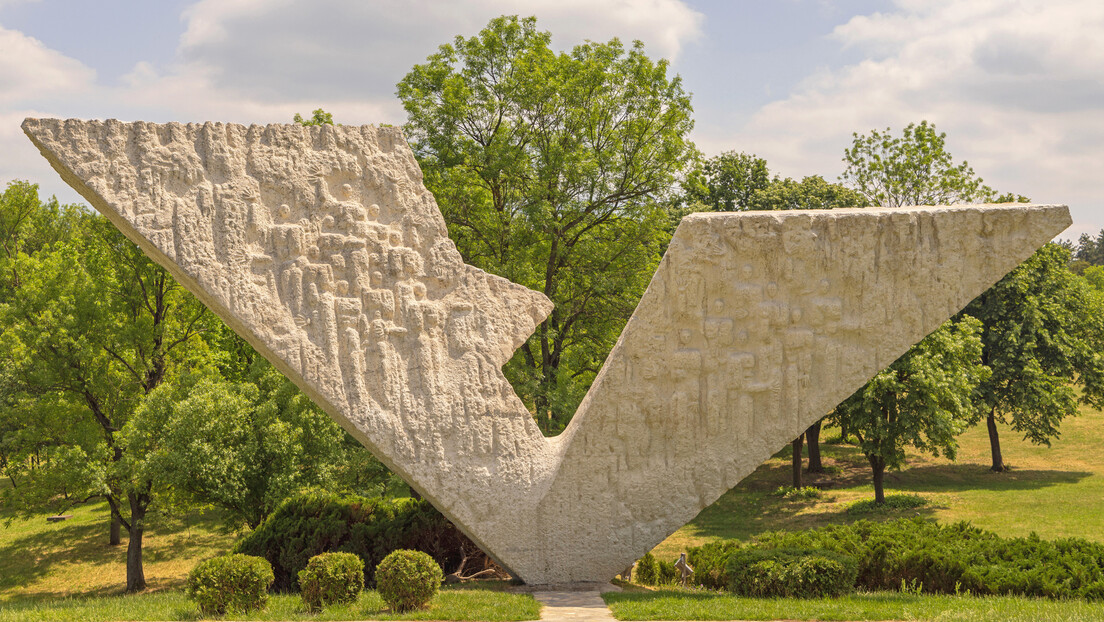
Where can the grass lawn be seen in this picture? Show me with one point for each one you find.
(39, 559)
(1055, 491)
(450, 604)
(685, 605)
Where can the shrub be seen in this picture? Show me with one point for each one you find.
(668, 574)
(892, 502)
(312, 523)
(801, 573)
(709, 561)
(798, 494)
(953, 558)
(407, 579)
(331, 578)
(647, 570)
(230, 583)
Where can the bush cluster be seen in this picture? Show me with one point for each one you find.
(308, 524)
(709, 561)
(230, 584)
(331, 578)
(407, 579)
(650, 571)
(944, 559)
(793, 573)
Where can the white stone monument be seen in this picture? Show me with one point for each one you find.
(322, 248)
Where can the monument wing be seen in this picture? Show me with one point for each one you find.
(322, 248)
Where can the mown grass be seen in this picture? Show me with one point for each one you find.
(1055, 491)
(39, 559)
(688, 605)
(449, 604)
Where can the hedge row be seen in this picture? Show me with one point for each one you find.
(306, 525)
(922, 554)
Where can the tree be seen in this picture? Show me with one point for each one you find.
(727, 182)
(1090, 250)
(90, 327)
(922, 400)
(551, 170)
(1043, 333)
(915, 169)
(1040, 325)
(319, 117)
(812, 192)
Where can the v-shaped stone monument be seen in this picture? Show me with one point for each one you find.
(322, 248)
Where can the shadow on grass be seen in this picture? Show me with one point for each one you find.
(28, 559)
(33, 556)
(751, 508)
(959, 477)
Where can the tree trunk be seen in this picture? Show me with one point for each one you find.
(994, 442)
(877, 465)
(812, 437)
(136, 574)
(115, 537)
(796, 460)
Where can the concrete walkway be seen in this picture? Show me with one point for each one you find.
(573, 606)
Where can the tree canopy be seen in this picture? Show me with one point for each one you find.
(552, 169)
(922, 400)
(117, 384)
(1043, 333)
(913, 169)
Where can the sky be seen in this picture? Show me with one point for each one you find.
(1018, 86)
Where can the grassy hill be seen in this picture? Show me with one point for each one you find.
(1053, 491)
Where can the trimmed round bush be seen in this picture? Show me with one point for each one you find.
(331, 578)
(319, 522)
(407, 579)
(230, 584)
(799, 573)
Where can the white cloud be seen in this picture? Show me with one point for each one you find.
(29, 70)
(331, 50)
(254, 61)
(1017, 87)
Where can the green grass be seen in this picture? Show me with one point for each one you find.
(686, 605)
(39, 559)
(449, 604)
(1055, 491)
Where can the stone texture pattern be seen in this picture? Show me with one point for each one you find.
(322, 248)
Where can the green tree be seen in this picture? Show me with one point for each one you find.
(552, 170)
(726, 182)
(1090, 250)
(812, 192)
(319, 117)
(1043, 333)
(922, 400)
(915, 169)
(91, 323)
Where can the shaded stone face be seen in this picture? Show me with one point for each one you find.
(322, 248)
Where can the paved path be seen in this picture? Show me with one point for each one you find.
(573, 606)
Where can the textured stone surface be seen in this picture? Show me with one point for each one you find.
(322, 248)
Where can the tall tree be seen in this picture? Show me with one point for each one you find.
(1039, 323)
(922, 400)
(913, 169)
(1043, 334)
(90, 323)
(551, 170)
